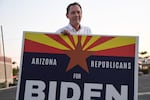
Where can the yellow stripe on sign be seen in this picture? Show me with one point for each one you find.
(43, 39)
(75, 38)
(67, 40)
(114, 43)
(91, 41)
(83, 38)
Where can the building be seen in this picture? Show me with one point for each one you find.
(6, 72)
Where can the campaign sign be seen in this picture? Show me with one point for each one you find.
(78, 67)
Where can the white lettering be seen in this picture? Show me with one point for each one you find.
(34, 90)
(52, 90)
(64, 91)
(112, 93)
(110, 65)
(44, 61)
(89, 93)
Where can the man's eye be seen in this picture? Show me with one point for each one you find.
(73, 13)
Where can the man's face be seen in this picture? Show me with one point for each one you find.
(74, 15)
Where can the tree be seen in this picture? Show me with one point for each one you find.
(145, 67)
(143, 54)
(16, 69)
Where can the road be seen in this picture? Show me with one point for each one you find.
(8, 94)
(143, 88)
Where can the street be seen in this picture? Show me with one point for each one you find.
(143, 88)
(8, 94)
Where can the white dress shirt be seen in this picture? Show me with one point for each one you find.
(82, 31)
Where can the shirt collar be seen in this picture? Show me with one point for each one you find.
(70, 27)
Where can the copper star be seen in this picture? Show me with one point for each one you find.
(78, 57)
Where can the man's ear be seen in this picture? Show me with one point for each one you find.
(67, 15)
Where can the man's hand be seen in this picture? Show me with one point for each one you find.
(65, 32)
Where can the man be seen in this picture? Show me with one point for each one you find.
(74, 14)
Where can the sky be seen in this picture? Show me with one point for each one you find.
(104, 17)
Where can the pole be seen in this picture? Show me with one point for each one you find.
(5, 70)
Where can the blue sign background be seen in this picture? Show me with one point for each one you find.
(58, 73)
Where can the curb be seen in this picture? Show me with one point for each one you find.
(7, 88)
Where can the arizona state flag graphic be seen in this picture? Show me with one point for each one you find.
(78, 67)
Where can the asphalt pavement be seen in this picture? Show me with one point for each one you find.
(8, 94)
(144, 87)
